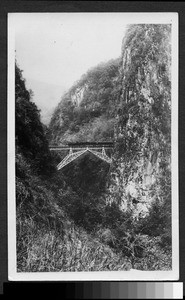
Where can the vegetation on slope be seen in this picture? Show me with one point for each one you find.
(30, 137)
(141, 174)
(87, 110)
(47, 240)
(138, 195)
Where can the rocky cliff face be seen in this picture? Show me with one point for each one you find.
(141, 169)
(87, 110)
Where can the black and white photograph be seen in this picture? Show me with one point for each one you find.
(93, 146)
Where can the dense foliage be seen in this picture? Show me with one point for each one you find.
(141, 174)
(30, 138)
(86, 112)
(46, 206)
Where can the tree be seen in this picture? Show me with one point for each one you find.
(30, 137)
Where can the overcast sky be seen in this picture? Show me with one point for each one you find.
(55, 49)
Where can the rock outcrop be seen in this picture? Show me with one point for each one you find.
(87, 110)
(141, 169)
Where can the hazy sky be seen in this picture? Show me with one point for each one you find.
(55, 49)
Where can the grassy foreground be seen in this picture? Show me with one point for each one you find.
(42, 250)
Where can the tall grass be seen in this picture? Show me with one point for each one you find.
(43, 250)
(155, 257)
(48, 241)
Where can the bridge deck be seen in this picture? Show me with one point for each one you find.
(85, 145)
(81, 149)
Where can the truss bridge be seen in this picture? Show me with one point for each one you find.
(76, 150)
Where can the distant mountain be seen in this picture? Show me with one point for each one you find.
(46, 114)
(46, 97)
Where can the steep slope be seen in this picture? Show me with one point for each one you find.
(31, 141)
(141, 174)
(86, 112)
(46, 97)
(132, 106)
(46, 238)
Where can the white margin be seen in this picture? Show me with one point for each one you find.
(130, 18)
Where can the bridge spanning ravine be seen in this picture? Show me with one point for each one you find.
(78, 149)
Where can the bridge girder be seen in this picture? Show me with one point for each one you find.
(74, 155)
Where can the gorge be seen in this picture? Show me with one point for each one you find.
(123, 208)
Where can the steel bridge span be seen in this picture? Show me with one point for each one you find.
(78, 149)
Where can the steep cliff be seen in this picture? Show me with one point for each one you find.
(87, 110)
(141, 170)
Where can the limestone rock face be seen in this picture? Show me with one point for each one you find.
(77, 96)
(141, 172)
(87, 111)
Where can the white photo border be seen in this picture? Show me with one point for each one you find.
(133, 275)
